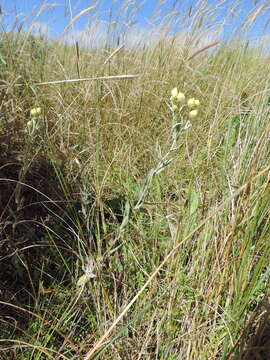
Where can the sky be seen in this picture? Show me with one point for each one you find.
(140, 20)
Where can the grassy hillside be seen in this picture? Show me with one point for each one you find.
(169, 262)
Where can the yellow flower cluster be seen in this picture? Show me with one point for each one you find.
(32, 125)
(35, 112)
(178, 96)
(192, 103)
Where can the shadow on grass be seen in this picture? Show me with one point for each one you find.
(23, 233)
(254, 343)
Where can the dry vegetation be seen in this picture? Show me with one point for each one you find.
(188, 275)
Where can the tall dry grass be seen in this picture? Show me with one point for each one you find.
(188, 276)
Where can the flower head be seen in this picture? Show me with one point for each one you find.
(193, 114)
(193, 103)
(174, 107)
(35, 112)
(29, 123)
(174, 93)
(180, 96)
(31, 126)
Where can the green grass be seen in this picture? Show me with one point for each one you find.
(64, 191)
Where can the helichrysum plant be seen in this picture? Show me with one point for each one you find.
(182, 113)
(88, 269)
(193, 103)
(181, 122)
(31, 128)
(33, 123)
(35, 112)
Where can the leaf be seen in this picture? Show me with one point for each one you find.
(232, 133)
(126, 217)
(193, 202)
(82, 280)
(89, 269)
(88, 273)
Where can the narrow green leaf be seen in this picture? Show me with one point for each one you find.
(193, 202)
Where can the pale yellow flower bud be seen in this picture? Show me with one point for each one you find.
(38, 110)
(31, 126)
(174, 93)
(193, 114)
(192, 103)
(180, 96)
(35, 111)
(174, 107)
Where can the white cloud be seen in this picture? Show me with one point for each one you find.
(94, 35)
(138, 36)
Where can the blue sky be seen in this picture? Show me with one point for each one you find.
(57, 14)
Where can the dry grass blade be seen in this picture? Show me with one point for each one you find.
(88, 356)
(3, 303)
(76, 17)
(114, 53)
(113, 77)
(197, 52)
(255, 14)
(43, 349)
